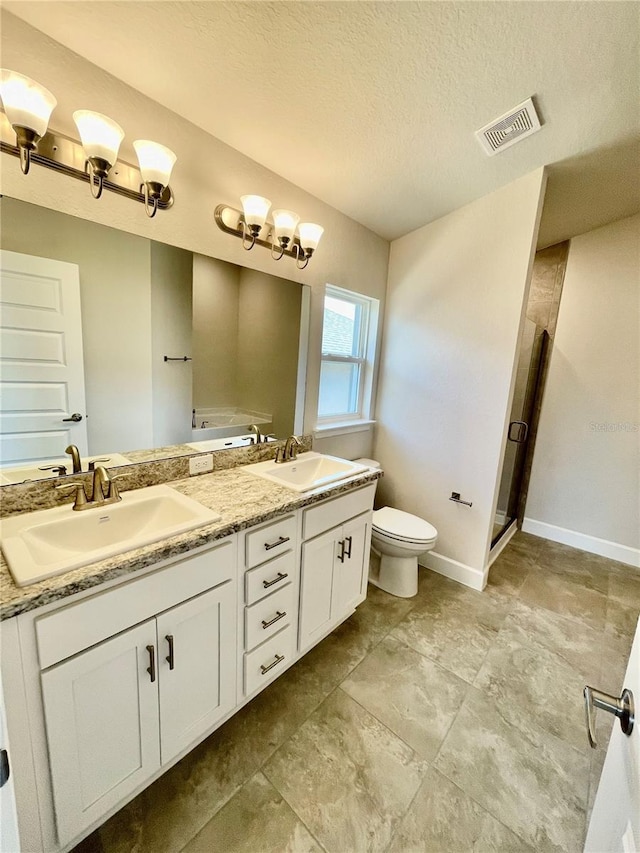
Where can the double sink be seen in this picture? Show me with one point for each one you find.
(50, 542)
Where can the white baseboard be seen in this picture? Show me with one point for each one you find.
(452, 569)
(613, 550)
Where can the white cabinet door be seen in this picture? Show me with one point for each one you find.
(197, 666)
(316, 581)
(348, 572)
(101, 710)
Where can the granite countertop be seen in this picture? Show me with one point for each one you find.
(241, 499)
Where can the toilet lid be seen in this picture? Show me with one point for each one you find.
(403, 525)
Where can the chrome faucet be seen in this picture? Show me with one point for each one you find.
(105, 490)
(73, 451)
(259, 437)
(290, 449)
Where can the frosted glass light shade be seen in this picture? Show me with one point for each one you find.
(284, 224)
(156, 161)
(100, 135)
(26, 103)
(309, 235)
(255, 209)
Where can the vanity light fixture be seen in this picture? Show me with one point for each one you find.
(101, 138)
(24, 133)
(255, 209)
(283, 237)
(156, 163)
(28, 107)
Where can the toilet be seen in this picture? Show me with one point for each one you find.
(398, 538)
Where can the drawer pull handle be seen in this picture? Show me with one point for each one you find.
(170, 659)
(280, 577)
(341, 554)
(349, 539)
(279, 615)
(265, 669)
(151, 669)
(279, 541)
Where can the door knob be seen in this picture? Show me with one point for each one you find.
(76, 417)
(622, 708)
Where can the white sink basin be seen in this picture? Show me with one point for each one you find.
(43, 544)
(309, 471)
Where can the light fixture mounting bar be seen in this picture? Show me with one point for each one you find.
(67, 156)
(230, 220)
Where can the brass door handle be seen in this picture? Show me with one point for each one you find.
(622, 708)
(151, 669)
(170, 659)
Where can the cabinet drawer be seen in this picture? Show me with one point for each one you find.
(268, 616)
(269, 577)
(78, 626)
(268, 660)
(317, 519)
(270, 541)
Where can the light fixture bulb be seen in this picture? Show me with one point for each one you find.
(155, 160)
(255, 209)
(26, 103)
(309, 235)
(284, 226)
(100, 135)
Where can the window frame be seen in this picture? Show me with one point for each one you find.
(367, 333)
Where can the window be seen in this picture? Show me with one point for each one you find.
(348, 351)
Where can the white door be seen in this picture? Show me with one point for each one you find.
(41, 361)
(615, 820)
(9, 842)
(197, 666)
(101, 711)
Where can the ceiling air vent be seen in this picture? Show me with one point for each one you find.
(510, 128)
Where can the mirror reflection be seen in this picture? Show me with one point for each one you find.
(135, 350)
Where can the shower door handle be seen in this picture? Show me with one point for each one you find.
(518, 432)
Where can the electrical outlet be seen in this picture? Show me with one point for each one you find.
(200, 464)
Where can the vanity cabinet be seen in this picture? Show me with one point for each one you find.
(269, 586)
(118, 711)
(334, 564)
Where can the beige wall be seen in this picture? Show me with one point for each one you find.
(268, 338)
(171, 317)
(207, 173)
(585, 479)
(216, 290)
(115, 293)
(454, 313)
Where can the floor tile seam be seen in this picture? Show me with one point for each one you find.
(565, 615)
(451, 724)
(431, 660)
(386, 725)
(290, 805)
(224, 803)
(402, 819)
(484, 808)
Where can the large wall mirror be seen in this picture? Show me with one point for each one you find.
(143, 308)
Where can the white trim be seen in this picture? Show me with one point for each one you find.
(502, 543)
(452, 569)
(603, 547)
(342, 428)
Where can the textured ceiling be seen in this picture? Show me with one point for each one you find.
(372, 106)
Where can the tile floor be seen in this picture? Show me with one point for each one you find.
(449, 722)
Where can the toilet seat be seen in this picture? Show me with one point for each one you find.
(401, 526)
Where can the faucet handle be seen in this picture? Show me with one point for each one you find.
(114, 492)
(94, 462)
(81, 496)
